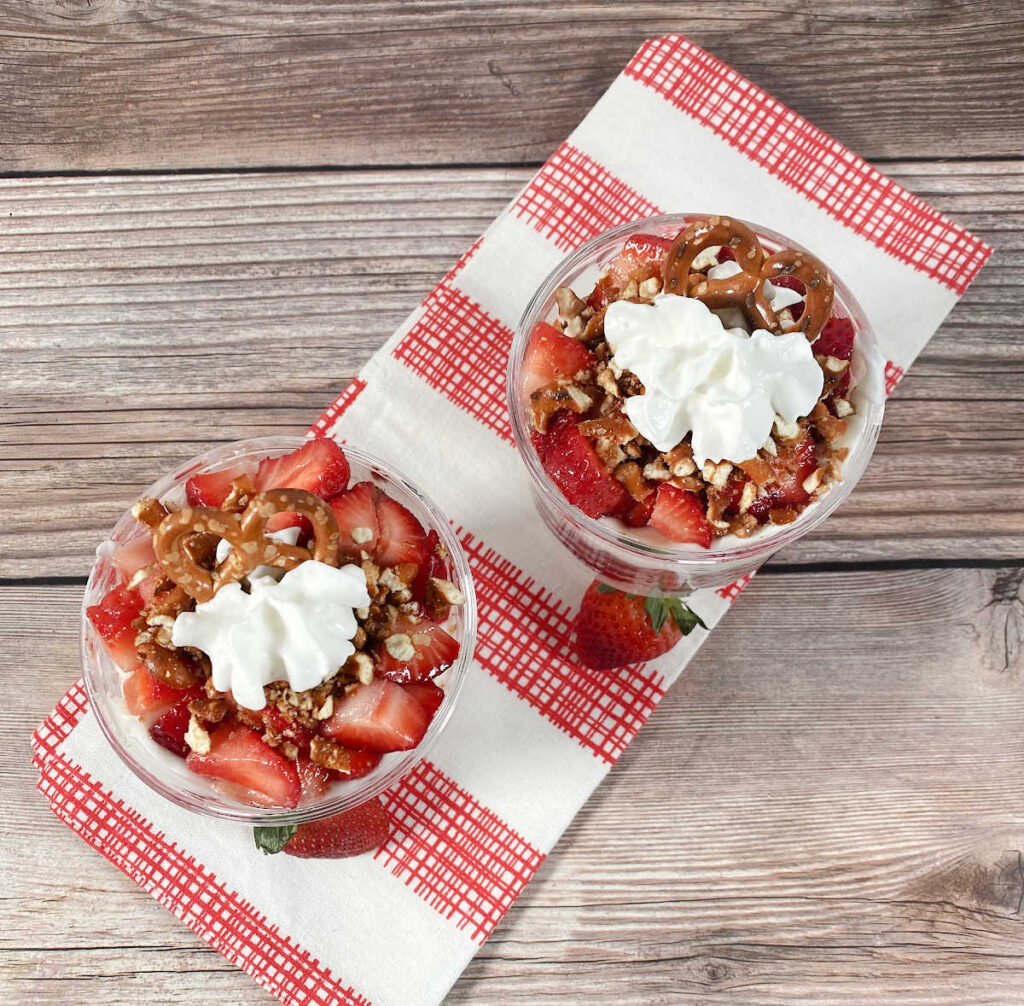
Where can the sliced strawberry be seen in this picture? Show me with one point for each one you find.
(614, 629)
(575, 468)
(641, 256)
(280, 521)
(382, 716)
(313, 779)
(402, 538)
(170, 729)
(319, 466)
(112, 619)
(679, 515)
(350, 833)
(794, 462)
(148, 698)
(725, 254)
(434, 564)
(212, 488)
(133, 556)
(256, 773)
(552, 356)
(435, 651)
(836, 339)
(356, 511)
(639, 514)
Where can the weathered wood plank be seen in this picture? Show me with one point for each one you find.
(143, 318)
(801, 821)
(89, 85)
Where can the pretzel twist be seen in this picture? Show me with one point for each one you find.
(246, 533)
(741, 240)
(745, 290)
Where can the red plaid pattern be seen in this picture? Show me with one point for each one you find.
(462, 352)
(186, 888)
(525, 642)
(337, 409)
(808, 160)
(893, 376)
(457, 855)
(572, 198)
(732, 591)
(52, 732)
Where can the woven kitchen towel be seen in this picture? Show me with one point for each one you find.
(678, 130)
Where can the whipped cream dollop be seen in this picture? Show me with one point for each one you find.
(297, 629)
(724, 386)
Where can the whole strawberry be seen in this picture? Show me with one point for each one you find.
(350, 833)
(614, 628)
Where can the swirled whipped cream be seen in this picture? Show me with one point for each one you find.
(724, 386)
(298, 629)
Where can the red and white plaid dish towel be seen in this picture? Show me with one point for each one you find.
(534, 733)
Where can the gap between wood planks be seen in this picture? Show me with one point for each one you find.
(294, 169)
(779, 569)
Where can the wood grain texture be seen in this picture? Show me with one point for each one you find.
(107, 84)
(833, 822)
(144, 318)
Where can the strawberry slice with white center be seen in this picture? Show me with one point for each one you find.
(133, 556)
(318, 466)
(402, 538)
(356, 513)
(251, 769)
(383, 716)
(642, 256)
(148, 698)
(112, 619)
(430, 651)
(371, 521)
(212, 488)
(552, 356)
(678, 515)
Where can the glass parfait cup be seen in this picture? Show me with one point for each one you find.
(634, 560)
(164, 772)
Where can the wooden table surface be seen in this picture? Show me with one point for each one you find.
(212, 213)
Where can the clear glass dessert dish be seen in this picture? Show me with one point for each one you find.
(633, 559)
(165, 772)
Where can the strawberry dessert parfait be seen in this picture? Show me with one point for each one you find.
(689, 394)
(278, 631)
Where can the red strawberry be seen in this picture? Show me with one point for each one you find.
(112, 619)
(402, 538)
(435, 651)
(354, 509)
(319, 466)
(148, 698)
(280, 521)
(575, 468)
(552, 356)
(313, 778)
(794, 462)
(170, 729)
(254, 772)
(725, 254)
(639, 514)
(641, 256)
(350, 833)
(135, 555)
(836, 339)
(212, 488)
(434, 564)
(383, 716)
(614, 629)
(678, 515)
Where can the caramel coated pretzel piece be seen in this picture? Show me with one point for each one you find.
(246, 533)
(745, 290)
